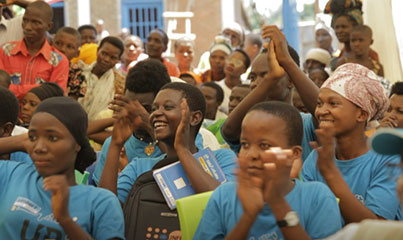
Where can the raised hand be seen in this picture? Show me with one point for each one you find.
(130, 116)
(279, 40)
(183, 130)
(325, 146)
(389, 121)
(277, 166)
(59, 187)
(249, 189)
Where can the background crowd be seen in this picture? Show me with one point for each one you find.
(82, 101)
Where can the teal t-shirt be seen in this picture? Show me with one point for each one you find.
(315, 204)
(134, 150)
(26, 213)
(368, 179)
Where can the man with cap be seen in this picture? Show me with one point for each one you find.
(316, 58)
(386, 141)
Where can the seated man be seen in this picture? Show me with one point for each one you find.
(274, 74)
(156, 45)
(238, 93)
(176, 116)
(214, 96)
(32, 60)
(266, 203)
(316, 58)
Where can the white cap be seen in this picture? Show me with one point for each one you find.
(319, 55)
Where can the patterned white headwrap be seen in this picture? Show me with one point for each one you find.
(360, 86)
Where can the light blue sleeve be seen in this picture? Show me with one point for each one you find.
(381, 197)
(96, 176)
(228, 163)
(21, 157)
(132, 171)
(210, 226)
(326, 218)
(126, 180)
(199, 141)
(108, 217)
(309, 135)
(309, 169)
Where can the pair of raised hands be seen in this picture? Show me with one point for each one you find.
(131, 115)
(270, 185)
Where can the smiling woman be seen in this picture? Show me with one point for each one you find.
(57, 145)
(358, 176)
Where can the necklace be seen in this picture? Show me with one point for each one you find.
(149, 149)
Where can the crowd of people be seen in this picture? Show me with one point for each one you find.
(291, 138)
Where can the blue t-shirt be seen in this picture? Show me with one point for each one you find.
(26, 213)
(134, 150)
(225, 158)
(315, 204)
(309, 135)
(21, 157)
(368, 179)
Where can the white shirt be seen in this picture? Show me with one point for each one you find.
(227, 92)
(18, 130)
(11, 29)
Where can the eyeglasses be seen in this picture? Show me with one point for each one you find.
(394, 171)
(235, 61)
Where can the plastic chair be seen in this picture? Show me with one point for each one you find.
(190, 210)
(81, 178)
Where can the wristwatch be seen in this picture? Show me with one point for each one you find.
(291, 219)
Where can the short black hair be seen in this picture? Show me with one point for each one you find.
(9, 107)
(294, 55)
(72, 31)
(115, 42)
(363, 29)
(219, 91)
(5, 78)
(47, 90)
(289, 114)
(89, 27)
(193, 95)
(44, 8)
(255, 39)
(397, 88)
(147, 76)
(245, 55)
(165, 38)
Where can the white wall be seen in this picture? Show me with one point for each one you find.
(378, 15)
